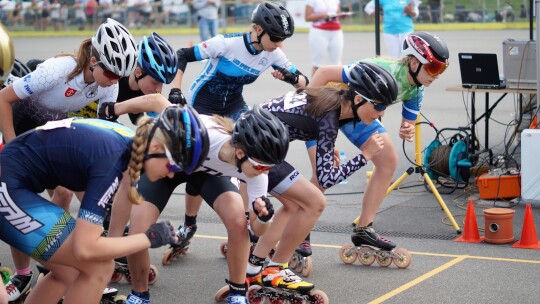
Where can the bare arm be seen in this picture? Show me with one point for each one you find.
(7, 99)
(146, 103)
(326, 74)
(311, 16)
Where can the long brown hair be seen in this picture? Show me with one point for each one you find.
(138, 149)
(323, 99)
(85, 52)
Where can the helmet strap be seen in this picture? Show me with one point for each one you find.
(144, 74)
(249, 44)
(354, 108)
(239, 162)
(414, 75)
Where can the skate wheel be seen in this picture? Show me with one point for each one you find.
(116, 277)
(167, 256)
(365, 257)
(120, 299)
(6, 274)
(221, 294)
(253, 295)
(319, 296)
(385, 259)
(294, 261)
(223, 249)
(153, 275)
(277, 301)
(404, 259)
(308, 266)
(347, 254)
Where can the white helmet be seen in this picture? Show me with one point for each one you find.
(116, 47)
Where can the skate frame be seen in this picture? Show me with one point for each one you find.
(419, 168)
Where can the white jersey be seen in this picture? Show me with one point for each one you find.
(232, 63)
(256, 186)
(46, 94)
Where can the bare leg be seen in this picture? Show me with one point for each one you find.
(385, 165)
(231, 210)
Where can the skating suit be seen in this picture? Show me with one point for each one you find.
(45, 94)
(290, 109)
(80, 154)
(232, 63)
(256, 186)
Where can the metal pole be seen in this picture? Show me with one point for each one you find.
(377, 30)
(537, 13)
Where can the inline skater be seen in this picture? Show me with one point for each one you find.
(58, 86)
(80, 260)
(236, 151)
(235, 60)
(425, 58)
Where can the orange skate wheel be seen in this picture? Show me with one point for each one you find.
(221, 294)
(167, 255)
(319, 296)
(253, 295)
(223, 248)
(365, 257)
(308, 266)
(153, 275)
(404, 259)
(347, 254)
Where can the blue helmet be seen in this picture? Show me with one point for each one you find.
(158, 58)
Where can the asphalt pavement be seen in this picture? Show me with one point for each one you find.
(442, 270)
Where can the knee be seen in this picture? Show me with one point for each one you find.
(386, 163)
(318, 204)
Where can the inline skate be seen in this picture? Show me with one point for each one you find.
(369, 246)
(301, 261)
(18, 287)
(121, 270)
(281, 285)
(222, 294)
(185, 234)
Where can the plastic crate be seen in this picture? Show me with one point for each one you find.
(499, 186)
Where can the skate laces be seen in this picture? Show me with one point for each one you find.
(11, 289)
(287, 276)
(186, 232)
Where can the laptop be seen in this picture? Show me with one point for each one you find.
(480, 70)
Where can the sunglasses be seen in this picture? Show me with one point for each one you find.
(258, 166)
(110, 75)
(275, 38)
(379, 107)
(172, 166)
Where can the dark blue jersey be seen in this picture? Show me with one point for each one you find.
(80, 154)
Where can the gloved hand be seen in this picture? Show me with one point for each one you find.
(269, 208)
(176, 97)
(160, 234)
(288, 77)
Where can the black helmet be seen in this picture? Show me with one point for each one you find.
(429, 49)
(262, 136)
(19, 69)
(188, 136)
(274, 19)
(373, 82)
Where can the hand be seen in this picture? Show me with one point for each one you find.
(176, 97)
(406, 131)
(373, 146)
(337, 159)
(264, 209)
(285, 75)
(331, 15)
(160, 234)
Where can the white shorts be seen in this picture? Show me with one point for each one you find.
(323, 43)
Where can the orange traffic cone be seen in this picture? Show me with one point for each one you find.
(534, 123)
(528, 240)
(470, 230)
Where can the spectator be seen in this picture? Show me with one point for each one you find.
(522, 11)
(45, 14)
(80, 16)
(55, 15)
(507, 12)
(397, 22)
(207, 16)
(435, 10)
(90, 12)
(16, 17)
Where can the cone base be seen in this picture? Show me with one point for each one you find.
(534, 245)
(469, 240)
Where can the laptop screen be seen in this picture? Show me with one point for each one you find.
(479, 69)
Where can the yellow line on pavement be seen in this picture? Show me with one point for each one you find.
(418, 280)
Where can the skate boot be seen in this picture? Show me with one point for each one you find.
(18, 286)
(236, 299)
(138, 298)
(301, 261)
(280, 284)
(368, 246)
(185, 234)
(121, 270)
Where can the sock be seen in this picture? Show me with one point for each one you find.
(237, 289)
(143, 295)
(272, 263)
(190, 220)
(25, 271)
(255, 264)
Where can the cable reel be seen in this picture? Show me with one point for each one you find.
(451, 159)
